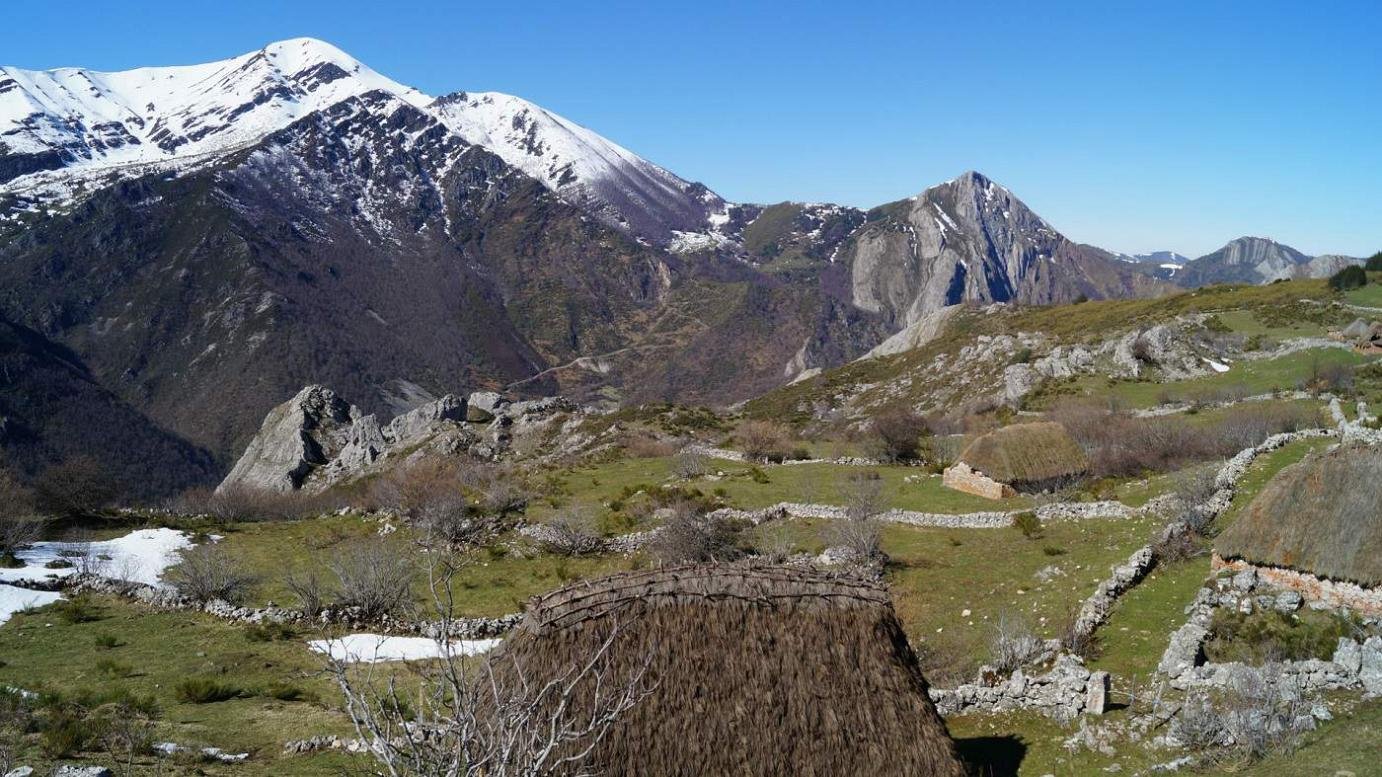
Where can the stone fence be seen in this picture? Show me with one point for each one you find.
(350, 618)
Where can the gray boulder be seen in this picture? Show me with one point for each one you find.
(483, 406)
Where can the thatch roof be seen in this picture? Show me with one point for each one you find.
(1322, 516)
(1026, 453)
(755, 670)
(1355, 330)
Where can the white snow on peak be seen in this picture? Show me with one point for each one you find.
(155, 113)
(126, 121)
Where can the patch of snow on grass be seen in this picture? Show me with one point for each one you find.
(141, 556)
(12, 600)
(370, 648)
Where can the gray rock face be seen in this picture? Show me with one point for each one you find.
(299, 435)
(971, 239)
(316, 439)
(1245, 260)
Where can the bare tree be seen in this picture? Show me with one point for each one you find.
(208, 572)
(16, 533)
(489, 717)
(374, 576)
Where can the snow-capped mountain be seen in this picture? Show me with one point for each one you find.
(60, 129)
(585, 168)
(78, 118)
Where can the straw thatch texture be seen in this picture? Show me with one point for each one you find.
(1322, 516)
(1027, 455)
(755, 670)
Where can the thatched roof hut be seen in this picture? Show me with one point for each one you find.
(755, 670)
(1320, 516)
(1026, 456)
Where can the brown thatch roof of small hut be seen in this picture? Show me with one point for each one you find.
(755, 670)
(1026, 453)
(1322, 516)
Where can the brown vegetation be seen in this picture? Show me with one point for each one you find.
(1121, 444)
(737, 647)
(896, 435)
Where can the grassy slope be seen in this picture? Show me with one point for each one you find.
(161, 649)
(1289, 309)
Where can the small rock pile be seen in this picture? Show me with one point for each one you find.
(1064, 693)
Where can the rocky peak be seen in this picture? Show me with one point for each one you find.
(971, 239)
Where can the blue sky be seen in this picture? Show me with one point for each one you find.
(1133, 126)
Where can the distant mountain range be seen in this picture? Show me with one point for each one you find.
(206, 240)
(1252, 260)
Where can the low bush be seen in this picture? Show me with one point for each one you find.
(285, 692)
(106, 642)
(764, 441)
(1269, 635)
(572, 533)
(205, 690)
(690, 535)
(78, 609)
(209, 572)
(270, 631)
(1029, 524)
(113, 668)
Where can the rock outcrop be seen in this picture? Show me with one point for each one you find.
(316, 439)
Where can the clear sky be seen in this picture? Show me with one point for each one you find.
(1133, 126)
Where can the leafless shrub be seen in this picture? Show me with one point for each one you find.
(18, 532)
(208, 572)
(572, 533)
(765, 441)
(452, 501)
(1075, 640)
(1012, 644)
(897, 434)
(1253, 718)
(689, 464)
(374, 577)
(486, 717)
(860, 532)
(690, 535)
(309, 587)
